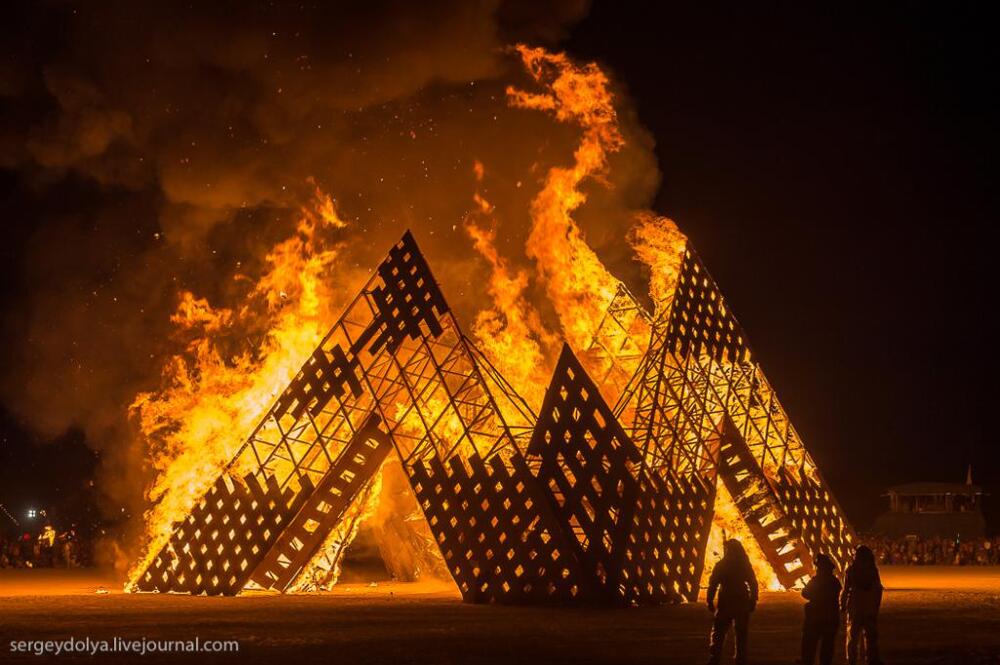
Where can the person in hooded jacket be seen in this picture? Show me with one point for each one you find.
(861, 599)
(822, 613)
(734, 583)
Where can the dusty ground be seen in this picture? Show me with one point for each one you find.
(931, 615)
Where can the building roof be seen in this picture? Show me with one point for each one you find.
(935, 488)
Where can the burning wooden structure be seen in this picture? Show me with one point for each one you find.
(583, 502)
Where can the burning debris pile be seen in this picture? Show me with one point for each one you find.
(657, 434)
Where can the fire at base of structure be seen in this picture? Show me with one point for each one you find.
(583, 502)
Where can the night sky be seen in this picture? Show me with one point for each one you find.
(835, 171)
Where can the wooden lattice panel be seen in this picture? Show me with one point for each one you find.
(325, 375)
(641, 532)
(587, 467)
(407, 303)
(217, 546)
(499, 540)
(676, 417)
(619, 344)
(311, 439)
(324, 508)
(698, 376)
(700, 323)
(665, 552)
(816, 517)
(761, 509)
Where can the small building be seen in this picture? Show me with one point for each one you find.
(925, 510)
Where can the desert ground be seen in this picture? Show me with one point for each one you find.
(930, 615)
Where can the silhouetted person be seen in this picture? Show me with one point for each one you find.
(736, 585)
(822, 613)
(861, 598)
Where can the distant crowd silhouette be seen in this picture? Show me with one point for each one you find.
(936, 551)
(47, 550)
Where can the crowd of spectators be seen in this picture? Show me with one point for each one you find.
(46, 550)
(50, 549)
(913, 551)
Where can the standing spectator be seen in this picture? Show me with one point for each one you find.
(734, 579)
(861, 599)
(822, 613)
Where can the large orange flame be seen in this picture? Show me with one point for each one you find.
(576, 281)
(212, 397)
(659, 244)
(510, 333)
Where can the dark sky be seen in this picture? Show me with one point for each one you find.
(836, 172)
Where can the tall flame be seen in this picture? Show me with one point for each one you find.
(510, 333)
(211, 395)
(659, 244)
(576, 281)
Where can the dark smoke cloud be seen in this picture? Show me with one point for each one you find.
(146, 149)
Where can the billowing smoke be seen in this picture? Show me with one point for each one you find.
(159, 150)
